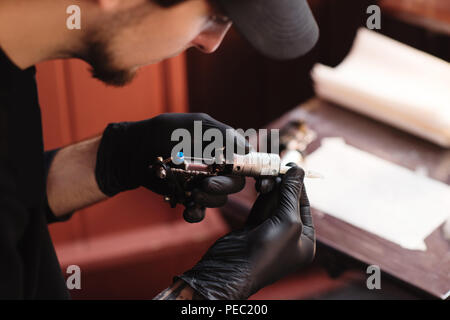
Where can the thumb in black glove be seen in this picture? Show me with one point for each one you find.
(278, 239)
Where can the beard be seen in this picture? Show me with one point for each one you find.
(98, 52)
(99, 57)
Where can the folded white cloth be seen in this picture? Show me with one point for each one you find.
(391, 82)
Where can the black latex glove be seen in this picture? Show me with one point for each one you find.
(278, 238)
(127, 150)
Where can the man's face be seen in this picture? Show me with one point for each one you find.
(141, 33)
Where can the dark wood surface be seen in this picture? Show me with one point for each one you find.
(431, 14)
(428, 271)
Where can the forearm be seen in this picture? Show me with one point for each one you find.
(71, 183)
(180, 290)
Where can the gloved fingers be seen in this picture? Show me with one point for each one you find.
(262, 209)
(291, 164)
(305, 215)
(194, 213)
(290, 193)
(230, 135)
(223, 185)
(265, 185)
(305, 210)
(209, 200)
(265, 205)
(241, 144)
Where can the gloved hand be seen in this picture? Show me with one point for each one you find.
(278, 238)
(127, 150)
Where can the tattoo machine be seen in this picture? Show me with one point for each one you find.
(182, 173)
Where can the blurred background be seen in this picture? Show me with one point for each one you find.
(131, 246)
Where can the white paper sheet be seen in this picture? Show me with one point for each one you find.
(392, 82)
(376, 195)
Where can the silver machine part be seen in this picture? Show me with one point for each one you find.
(256, 164)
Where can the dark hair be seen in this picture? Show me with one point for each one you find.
(168, 3)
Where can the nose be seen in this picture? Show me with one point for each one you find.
(210, 39)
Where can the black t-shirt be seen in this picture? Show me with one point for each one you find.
(29, 268)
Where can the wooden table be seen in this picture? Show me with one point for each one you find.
(427, 271)
(430, 14)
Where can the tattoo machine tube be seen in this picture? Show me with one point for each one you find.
(255, 164)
